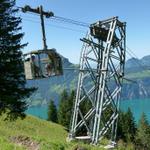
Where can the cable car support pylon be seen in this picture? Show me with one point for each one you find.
(100, 81)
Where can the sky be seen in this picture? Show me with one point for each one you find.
(65, 38)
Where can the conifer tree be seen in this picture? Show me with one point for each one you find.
(52, 112)
(129, 126)
(126, 126)
(12, 80)
(62, 108)
(143, 134)
(121, 129)
(69, 109)
(65, 108)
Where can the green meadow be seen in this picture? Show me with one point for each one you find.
(36, 134)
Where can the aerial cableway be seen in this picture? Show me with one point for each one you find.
(43, 63)
(100, 79)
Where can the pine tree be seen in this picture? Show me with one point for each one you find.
(65, 108)
(126, 126)
(69, 109)
(52, 112)
(12, 80)
(62, 108)
(120, 129)
(143, 134)
(129, 126)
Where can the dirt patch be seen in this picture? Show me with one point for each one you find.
(80, 148)
(27, 142)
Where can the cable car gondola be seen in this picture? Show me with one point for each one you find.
(42, 64)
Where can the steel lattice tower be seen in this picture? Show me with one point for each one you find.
(100, 81)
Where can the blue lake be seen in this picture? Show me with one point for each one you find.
(138, 106)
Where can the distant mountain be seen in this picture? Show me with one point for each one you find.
(146, 60)
(137, 70)
(138, 63)
(132, 63)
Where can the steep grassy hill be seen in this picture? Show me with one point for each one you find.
(31, 133)
(36, 134)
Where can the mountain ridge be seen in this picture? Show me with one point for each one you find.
(51, 88)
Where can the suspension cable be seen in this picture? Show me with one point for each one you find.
(63, 19)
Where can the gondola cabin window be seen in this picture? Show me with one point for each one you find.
(42, 64)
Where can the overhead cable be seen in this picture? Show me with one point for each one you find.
(63, 19)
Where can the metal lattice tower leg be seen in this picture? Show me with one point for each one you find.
(100, 81)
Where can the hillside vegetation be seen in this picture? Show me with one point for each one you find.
(33, 133)
(36, 134)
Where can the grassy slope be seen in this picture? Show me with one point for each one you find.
(50, 136)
